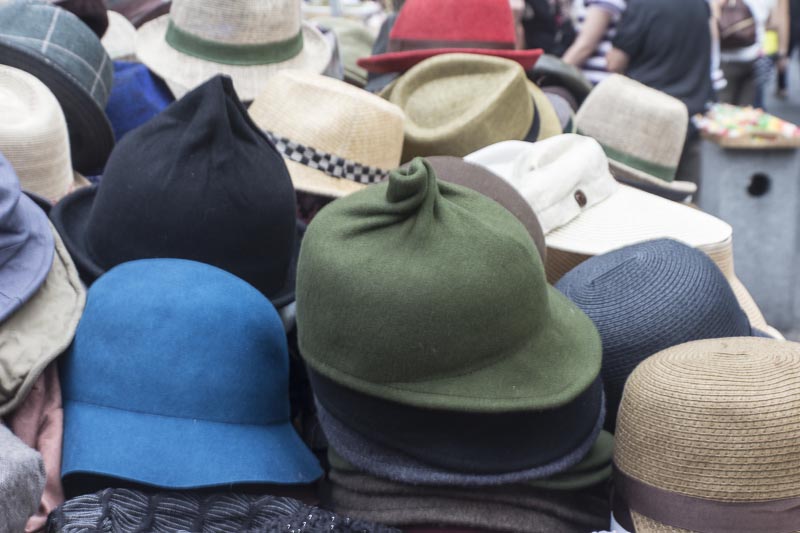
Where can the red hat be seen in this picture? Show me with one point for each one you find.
(425, 28)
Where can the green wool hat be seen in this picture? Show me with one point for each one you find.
(429, 294)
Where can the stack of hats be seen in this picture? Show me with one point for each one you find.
(445, 377)
(585, 212)
(649, 297)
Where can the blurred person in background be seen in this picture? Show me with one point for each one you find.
(596, 22)
(544, 24)
(668, 46)
(794, 35)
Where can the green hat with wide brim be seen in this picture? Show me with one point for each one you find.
(429, 294)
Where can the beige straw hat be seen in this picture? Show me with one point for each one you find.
(707, 439)
(458, 103)
(249, 40)
(642, 131)
(335, 138)
(34, 136)
(120, 38)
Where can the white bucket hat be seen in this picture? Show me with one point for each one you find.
(34, 136)
(585, 212)
(642, 131)
(249, 40)
(120, 38)
(335, 138)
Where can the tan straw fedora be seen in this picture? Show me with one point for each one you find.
(458, 103)
(335, 138)
(34, 136)
(249, 40)
(707, 439)
(120, 38)
(642, 131)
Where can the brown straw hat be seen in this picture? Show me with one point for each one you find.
(642, 131)
(458, 103)
(335, 138)
(249, 40)
(34, 136)
(707, 439)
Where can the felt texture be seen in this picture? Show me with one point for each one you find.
(205, 180)
(481, 443)
(132, 511)
(178, 377)
(21, 481)
(91, 12)
(138, 95)
(386, 462)
(492, 336)
(648, 297)
(39, 423)
(26, 244)
(56, 47)
(140, 11)
(424, 29)
(508, 508)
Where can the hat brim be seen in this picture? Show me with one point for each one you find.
(629, 216)
(181, 453)
(307, 179)
(31, 263)
(402, 61)
(120, 38)
(91, 137)
(184, 72)
(384, 462)
(552, 70)
(42, 329)
(674, 190)
(70, 216)
(549, 123)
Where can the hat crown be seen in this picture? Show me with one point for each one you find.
(635, 121)
(402, 282)
(715, 419)
(13, 228)
(477, 21)
(181, 339)
(33, 134)
(648, 297)
(331, 116)
(204, 180)
(457, 103)
(238, 22)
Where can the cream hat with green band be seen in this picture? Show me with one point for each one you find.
(641, 130)
(248, 40)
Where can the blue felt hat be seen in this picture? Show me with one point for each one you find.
(136, 96)
(178, 378)
(648, 297)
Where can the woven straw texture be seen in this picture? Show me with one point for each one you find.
(233, 22)
(715, 419)
(641, 122)
(648, 297)
(41, 330)
(120, 38)
(333, 117)
(34, 136)
(458, 103)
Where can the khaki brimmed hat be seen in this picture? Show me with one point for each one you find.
(34, 136)
(335, 138)
(642, 131)
(707, 439)
(249, 40)
(120, 38)
(458, 103)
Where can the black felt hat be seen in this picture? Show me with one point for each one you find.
(200, 181)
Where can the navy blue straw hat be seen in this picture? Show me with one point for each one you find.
(137, 96)
(178, 378)
(648, 297)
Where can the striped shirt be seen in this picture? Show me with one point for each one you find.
(595, 67)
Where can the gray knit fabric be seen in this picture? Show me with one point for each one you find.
(22, 480)
(128, 511)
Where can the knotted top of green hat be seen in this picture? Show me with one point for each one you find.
(430, 294)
